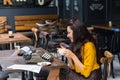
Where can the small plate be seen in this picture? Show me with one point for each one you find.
(43, 63)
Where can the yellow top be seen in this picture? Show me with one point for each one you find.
(89, 60)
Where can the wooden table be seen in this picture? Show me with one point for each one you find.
(115, 29)
(7, 60)
(18, 38)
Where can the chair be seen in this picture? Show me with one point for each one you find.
(4, 27)
(106, 61)
(114, 48)
(108, 40)
(40, 38)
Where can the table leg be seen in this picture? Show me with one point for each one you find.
(14, 44)
(23, 76)
(30, 75)
(53, 74)
(10, 46)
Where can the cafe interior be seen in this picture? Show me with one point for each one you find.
(40, 26)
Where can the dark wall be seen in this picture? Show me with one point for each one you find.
(115, 11)
(11, 12)
(88, 11)
(93, 11)
(61, 8)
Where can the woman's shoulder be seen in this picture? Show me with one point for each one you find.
(89, 44)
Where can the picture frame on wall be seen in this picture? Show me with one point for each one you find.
(93, 11)
(77, 8)
(72, 8)
(67, 8)
(67, 5)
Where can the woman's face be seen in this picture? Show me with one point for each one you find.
(70, 33)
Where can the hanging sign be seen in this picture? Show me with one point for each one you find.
(44, 2)
(41, 2)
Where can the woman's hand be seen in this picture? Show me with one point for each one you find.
(68, 53)
(65, 52)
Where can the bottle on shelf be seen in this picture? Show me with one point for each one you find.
(110, 23)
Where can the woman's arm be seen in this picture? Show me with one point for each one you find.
(73, 59)
(70, 63)
(89, 59)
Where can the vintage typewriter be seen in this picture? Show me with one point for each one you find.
(37, 55)
(44, 54)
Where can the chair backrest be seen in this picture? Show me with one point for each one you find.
(106, 60)
(40, 38)
(45, 38)
(4, 27)
(3, 18)
(35, 30)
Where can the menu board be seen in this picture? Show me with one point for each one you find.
(95, 11)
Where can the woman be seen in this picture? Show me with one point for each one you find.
(82, 55)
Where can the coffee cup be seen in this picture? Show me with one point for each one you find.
(61, 51)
